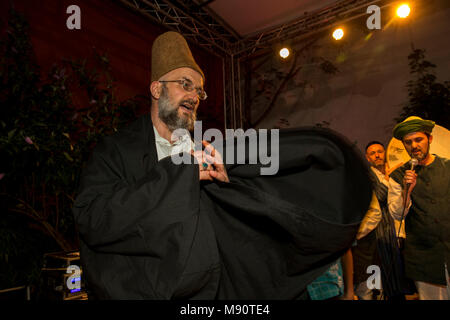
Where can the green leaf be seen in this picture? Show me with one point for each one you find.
(11, 133)
(68, 157)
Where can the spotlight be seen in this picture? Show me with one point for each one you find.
(284, 53)
(403, 11)
(338, 34)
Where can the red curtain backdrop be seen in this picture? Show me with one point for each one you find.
(117, 31)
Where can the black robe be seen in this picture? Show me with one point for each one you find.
(151, 230)
(380, 247)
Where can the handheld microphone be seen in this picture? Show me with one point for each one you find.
(414, 163)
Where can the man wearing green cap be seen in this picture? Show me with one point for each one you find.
(421, 193)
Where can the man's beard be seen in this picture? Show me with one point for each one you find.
(168, 113)
(380, 167)
(422, 155)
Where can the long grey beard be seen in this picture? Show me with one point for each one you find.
(169, 114)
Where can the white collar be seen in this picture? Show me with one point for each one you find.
(179, 139)
(381, 177)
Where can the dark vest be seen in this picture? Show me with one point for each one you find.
(428, 221)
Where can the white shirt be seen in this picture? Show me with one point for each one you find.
(373, 215)
(381, 176)
(165, 149)
(371, 219)
(395, 206)
(395, 200)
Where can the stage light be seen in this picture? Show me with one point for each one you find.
(284, 53)
(338, 34)
(403, 11)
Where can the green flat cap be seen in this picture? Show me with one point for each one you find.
(412, 124)
(170, 51)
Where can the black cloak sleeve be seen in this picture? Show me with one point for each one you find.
(277, 233)
(137, 218)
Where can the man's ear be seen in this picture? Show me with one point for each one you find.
(155, 89)
(430, 139)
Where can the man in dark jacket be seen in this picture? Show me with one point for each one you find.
(151, 229)
(422, 194)
(176, 89)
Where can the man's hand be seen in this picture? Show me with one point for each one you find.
(219, 172)
(210, 164)
(410, 179)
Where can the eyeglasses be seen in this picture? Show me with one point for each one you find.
(189, 87)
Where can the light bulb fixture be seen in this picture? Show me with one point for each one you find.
(338, 34)
(403, 11)
(284, 52)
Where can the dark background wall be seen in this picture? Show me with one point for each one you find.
(122, 34)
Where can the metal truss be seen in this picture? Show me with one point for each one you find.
(202, 26)
(192, 20)
(308, 24)
(232, 92)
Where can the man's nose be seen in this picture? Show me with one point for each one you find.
(194, 96)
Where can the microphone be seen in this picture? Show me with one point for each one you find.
(414, 162)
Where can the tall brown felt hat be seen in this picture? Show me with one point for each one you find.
(170, 51)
